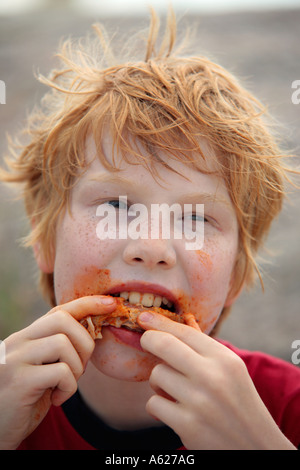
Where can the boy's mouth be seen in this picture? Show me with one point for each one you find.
(147, 295)
(125, 315)
(132, 298)
(146, 299)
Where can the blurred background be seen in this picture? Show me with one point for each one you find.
(258, 40)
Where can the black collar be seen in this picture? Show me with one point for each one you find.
(94, 431)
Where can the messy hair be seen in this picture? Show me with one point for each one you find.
(166, 102)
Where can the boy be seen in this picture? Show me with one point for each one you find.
(164, 130)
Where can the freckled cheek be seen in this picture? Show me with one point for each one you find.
(78, 245)
(77, 236)
(209, 280)
(80, 253)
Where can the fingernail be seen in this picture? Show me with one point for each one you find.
(107, 300)
(146, 317)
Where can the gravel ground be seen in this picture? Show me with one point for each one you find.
(261, 48)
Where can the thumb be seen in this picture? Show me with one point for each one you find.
(89, 305)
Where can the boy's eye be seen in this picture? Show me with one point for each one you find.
(196, 217)
(118, 204)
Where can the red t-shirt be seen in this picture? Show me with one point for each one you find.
(277, 382)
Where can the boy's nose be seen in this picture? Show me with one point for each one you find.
(151, 253)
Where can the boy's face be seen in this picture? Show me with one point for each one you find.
(199, 281)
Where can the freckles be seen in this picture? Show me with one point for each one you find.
(205, 260)
(211, 270)
(204, 280)
(201, 267)
(79, 235)
(79, 260)
(90, 281)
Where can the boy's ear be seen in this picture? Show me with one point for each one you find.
(45, 266)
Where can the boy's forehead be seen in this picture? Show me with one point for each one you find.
(185, 180)
(176, 161)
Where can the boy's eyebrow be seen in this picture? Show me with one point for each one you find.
(190, 198)
(110, 178)
(202, 198)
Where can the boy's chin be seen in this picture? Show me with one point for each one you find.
(121, 361)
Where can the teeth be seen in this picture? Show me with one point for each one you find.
(134, 297)
(125, 295)
(147, 299)
(157, 301)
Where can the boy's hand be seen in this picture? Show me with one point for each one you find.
(203, 391)
(43, 363)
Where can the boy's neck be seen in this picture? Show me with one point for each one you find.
(120, 404)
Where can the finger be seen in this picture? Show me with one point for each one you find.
(172, 351)
(166, 411)
(89, 305)
(52, 349)
(61, 322)
(66, 386)
(159, 391)
(198, 341)
(169, 383)
(57, 377)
